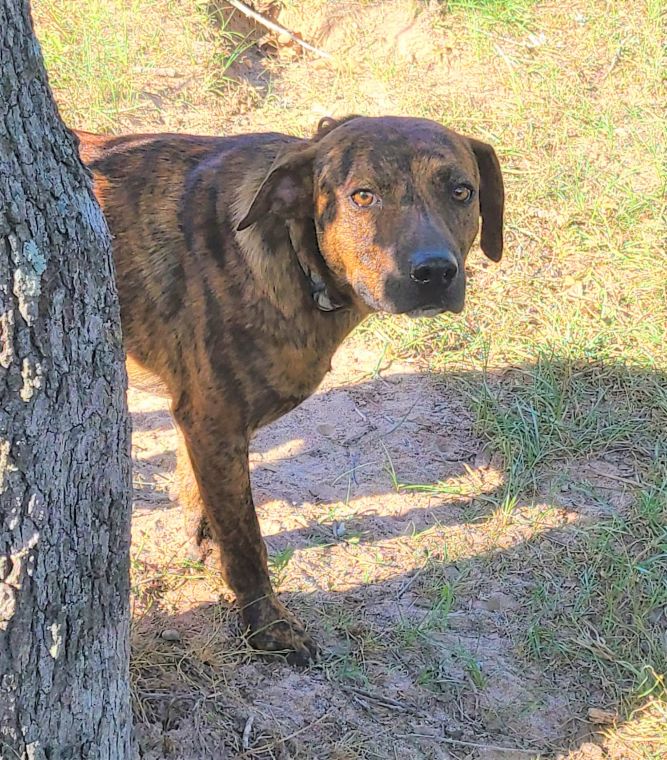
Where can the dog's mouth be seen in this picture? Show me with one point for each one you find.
(425, 311)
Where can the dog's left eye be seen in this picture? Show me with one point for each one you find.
(462, 193)
(364, 198)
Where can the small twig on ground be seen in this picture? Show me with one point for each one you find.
(400, 422)
(386, 701)
(246, 732)
(406, 586)
(609, 475)
(614, 60)
(449, 740)
(243, 8)
(505, 57)
(283, 739)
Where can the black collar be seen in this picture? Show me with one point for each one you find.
(304, 245)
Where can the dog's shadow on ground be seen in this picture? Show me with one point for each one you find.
(438, 651)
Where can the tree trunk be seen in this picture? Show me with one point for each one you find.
(64, 436)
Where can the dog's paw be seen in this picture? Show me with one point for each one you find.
(273, 628)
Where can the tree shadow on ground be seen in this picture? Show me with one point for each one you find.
(398, 670)
(478, 615)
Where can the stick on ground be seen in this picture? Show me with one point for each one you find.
(243, 8)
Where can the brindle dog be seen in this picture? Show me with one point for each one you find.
(242, 263)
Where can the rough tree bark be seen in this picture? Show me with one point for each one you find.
(64, 456)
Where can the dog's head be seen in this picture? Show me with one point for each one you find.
(396, 204)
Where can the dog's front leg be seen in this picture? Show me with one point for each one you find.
(222, 476)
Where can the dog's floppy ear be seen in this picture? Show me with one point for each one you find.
(287, 189)
(491, 199)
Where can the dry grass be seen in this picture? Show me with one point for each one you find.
(526, 584)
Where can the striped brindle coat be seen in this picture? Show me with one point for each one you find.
(243, 262)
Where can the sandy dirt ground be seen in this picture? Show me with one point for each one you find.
(419, 646)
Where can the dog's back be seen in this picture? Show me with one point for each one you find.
(168, 200)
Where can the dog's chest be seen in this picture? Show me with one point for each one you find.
(293, 364)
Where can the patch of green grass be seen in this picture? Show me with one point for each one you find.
(107, 60)
(510, 12)
(611, 589)
(89, 49)
(231, 45)
(346, 668)
(540, 642)
(471, 666)
(410, 631)
(561, 409)
(278, 564)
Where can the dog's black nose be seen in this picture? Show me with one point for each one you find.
(434, 267)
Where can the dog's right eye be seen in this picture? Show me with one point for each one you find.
(364, 198)
(462, 193)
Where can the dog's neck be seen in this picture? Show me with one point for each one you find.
(285, 258)
(323, 290)
(316, 314)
